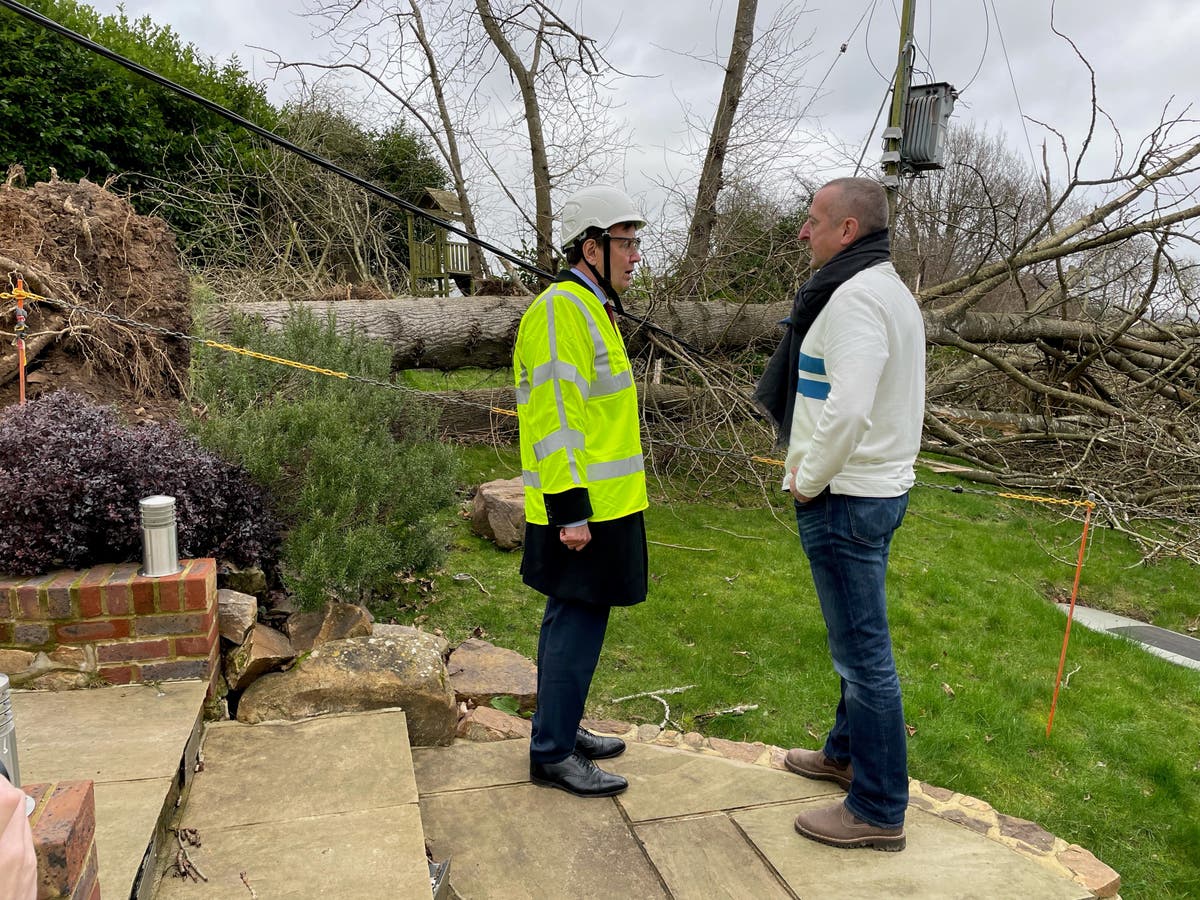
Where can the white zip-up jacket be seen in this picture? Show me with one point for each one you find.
(860, 403)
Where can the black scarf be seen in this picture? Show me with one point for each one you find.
(776, 390)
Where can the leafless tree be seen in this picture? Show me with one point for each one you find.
(704, 214)
(758, 118)
(453, 65)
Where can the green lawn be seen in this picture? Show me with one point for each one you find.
(977, 642)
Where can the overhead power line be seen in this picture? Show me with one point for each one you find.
(264, 133)
(313, 158)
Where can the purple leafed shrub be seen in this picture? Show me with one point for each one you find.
(72, 475)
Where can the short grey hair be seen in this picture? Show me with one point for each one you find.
(863, 199)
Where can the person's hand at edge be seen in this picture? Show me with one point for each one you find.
(575, 537)
(18, 861)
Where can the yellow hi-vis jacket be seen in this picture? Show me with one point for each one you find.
(581, 451)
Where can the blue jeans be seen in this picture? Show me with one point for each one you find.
(846, 540)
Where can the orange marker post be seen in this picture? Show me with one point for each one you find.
(1062, 659)
(20, 332)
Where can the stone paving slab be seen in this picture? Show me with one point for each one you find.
(323, 807)
(344, 762)
(127, 813)
(467, 765)
(708, 858)
(126, 733)
(129, 740)
(361, 855)
(666, 783)
(524, 841)
(942, 861)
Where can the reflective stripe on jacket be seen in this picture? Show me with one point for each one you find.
(577, 409)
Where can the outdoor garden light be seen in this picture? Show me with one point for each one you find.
(160, 553)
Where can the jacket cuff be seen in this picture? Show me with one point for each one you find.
(573, 505)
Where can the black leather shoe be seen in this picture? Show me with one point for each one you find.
(595, 747)
(577, 775)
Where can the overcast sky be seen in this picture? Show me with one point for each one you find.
(1144, 54)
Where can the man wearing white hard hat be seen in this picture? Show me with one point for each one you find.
(585, 483)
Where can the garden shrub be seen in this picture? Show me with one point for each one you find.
(74, 474)
(355, 469)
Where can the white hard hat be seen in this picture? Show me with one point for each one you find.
(597, 207)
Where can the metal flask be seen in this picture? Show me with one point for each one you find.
(160, 552)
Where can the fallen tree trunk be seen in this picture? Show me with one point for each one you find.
(454, 332)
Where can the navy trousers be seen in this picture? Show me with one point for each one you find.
(568, 650)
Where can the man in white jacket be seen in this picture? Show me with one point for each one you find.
(855, 385)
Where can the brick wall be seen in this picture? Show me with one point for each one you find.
(110, 623)
(64, 836)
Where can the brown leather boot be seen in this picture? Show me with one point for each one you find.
(838, 827)
(815, 764)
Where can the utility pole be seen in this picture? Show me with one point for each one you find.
(903, 81)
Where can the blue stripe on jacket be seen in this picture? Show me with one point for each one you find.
(812, 364)
(814, 390)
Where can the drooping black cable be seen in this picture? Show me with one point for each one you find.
(313, 158)
(267, 135)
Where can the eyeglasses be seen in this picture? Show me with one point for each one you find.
(624, 244)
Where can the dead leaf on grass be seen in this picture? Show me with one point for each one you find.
(949, 691)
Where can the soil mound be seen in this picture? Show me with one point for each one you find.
(88, 246)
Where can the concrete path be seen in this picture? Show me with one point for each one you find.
(132, 742)
(1180, 649)
(690, 826)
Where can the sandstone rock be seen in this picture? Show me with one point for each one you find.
(359, 674)
(63, 669)
(480, 672)
(1028, 832)
(647, 732)
(433, 641)
(742, 752)
(498, 513)
(334, 622)
(14, 661)
(964, 818)
(607, 726)
(263, 650)
(486, 724)
(60, 680)
(937, 793)
(250, 580)
(1100, 879)
(236, 612)
(72, 657)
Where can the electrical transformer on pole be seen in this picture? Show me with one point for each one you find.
(915, 138)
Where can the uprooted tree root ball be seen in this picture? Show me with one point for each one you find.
(86, 245)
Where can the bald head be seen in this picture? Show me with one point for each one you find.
(862, 199)
(841, 213)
